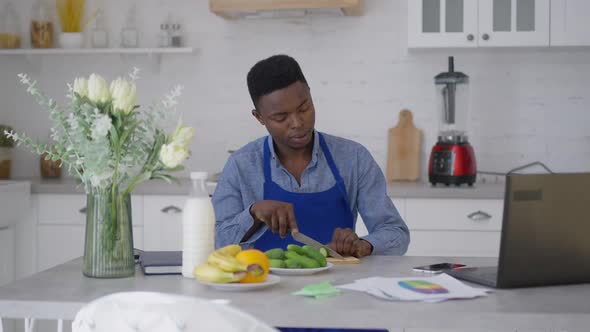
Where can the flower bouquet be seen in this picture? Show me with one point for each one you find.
(111, 146)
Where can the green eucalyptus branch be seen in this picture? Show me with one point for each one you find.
(55, 114)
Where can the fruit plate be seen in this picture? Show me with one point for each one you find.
(299, 272)
(238, 287)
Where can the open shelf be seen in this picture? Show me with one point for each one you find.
(118, 51)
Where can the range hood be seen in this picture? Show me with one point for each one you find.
(232, 9)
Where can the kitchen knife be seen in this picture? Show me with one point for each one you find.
(298, 236)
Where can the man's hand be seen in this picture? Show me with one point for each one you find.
(347, 243)
(277, 215)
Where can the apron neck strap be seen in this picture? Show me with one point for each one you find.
(325, 149)
(266, 160)
(329, 159)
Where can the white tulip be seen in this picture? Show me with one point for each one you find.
(172, 155)
(182, 136)
(81, 86)
(98, 90)
(124, 95)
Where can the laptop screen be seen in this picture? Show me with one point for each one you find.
(545, 230)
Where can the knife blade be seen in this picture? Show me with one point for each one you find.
(298, 236)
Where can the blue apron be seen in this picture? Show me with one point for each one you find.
(317, 214)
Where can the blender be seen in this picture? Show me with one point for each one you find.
(452, 159)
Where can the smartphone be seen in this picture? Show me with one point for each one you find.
(437, 268)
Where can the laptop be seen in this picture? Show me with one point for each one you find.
(545, 233)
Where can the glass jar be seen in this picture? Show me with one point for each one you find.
(176, 38)
(9, 27)
(164, 35)
(41, 25)
(100, 36)
(129, 34)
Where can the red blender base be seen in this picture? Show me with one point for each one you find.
(452, 164)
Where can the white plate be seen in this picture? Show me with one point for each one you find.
(299, 272)
(238, 287)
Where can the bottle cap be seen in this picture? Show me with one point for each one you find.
(199, 175)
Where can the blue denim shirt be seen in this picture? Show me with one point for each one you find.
(241, 185)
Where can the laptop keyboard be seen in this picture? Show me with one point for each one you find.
(486, 275)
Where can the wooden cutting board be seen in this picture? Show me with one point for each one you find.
(344, 260)
(403, 152)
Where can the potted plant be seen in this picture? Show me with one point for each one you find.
(71, 13)
(6, 145)
(50, 168)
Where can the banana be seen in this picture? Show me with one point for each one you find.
(225, 262)
(232, 249)
(209, 273)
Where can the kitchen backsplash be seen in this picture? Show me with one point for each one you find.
(527, 104)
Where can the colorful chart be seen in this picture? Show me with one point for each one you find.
(423, 287)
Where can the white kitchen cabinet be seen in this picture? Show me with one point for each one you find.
(454, 227)
(450, 227)
(163, 222)
(569, 23)
(442, 23)
(6, 255)
(361, 229)
(477, 23)
(58, 244)
(61, 227)
(513, 23)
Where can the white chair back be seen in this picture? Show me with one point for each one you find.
(150, 311)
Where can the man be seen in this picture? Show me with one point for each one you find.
(298, 179)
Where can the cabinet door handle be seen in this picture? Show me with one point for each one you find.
(470, 37)
(479, 216)
(82, 210)
(171, 209)
(485, 36)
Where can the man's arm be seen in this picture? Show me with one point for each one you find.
(388, 233)
(232, 218)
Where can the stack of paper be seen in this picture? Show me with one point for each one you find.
(429, 289)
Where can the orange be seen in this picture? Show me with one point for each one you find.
(258, 265)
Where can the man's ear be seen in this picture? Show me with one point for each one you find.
(258, 116)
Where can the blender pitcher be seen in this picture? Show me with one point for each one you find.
(452, 160)
(453, 92)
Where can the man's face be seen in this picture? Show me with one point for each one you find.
(288, 115)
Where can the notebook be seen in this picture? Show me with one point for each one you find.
(161, 262)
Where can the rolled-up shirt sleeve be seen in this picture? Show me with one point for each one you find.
(232, 217)
(388, 233)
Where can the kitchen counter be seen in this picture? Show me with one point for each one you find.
(394, 189)
(58, 293)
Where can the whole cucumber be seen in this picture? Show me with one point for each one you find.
(276, 253)
(279, 263)
(313, 253)
(292, 264)
(295, 248)
(305, 261)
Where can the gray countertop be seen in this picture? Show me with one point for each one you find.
(394, 189)
(61, 291)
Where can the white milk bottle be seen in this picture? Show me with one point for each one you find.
(198, 225)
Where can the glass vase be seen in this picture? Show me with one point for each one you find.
(108, 249)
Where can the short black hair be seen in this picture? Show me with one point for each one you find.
(271, 74)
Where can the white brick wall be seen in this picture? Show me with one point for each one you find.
(527, 104)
